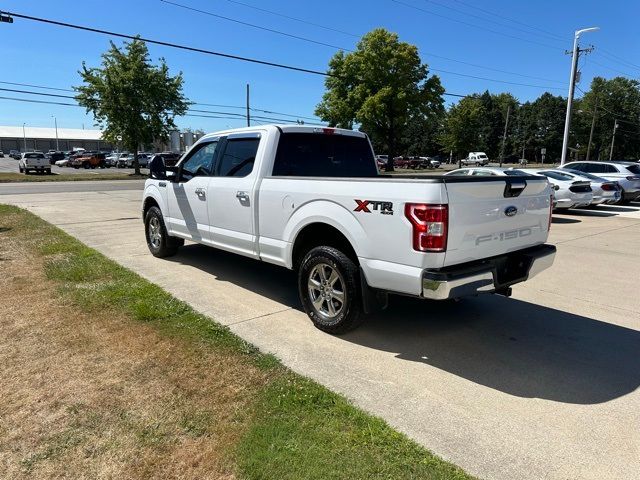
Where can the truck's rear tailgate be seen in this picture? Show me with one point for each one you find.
(489, 218)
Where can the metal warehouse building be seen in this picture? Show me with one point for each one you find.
(44, 139)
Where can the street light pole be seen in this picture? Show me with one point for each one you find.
(55, 120)
(24, 137)
(572, 86)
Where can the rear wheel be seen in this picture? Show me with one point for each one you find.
(48, 171)
(86, 165)
(329, 289)
(159, 242)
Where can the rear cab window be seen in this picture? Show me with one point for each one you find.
(635, 169)
(302, 154)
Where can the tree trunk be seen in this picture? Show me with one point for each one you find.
(136, 164)
(391, 150)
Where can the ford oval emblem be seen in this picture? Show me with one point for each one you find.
(510, 211)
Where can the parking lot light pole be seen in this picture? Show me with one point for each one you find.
(55, 121)
(572, 86)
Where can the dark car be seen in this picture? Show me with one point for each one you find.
(170, 159)
(55, 156)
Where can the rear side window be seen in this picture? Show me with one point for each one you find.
(581, 167)
(635, 169)
(239, 157)
(321, 155)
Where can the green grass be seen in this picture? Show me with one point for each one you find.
(296, 429)
(66, 177)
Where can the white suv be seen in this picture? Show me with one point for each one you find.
(627, 174)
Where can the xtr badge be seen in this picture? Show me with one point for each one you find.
(385, 208)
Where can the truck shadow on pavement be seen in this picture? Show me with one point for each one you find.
(516, 347)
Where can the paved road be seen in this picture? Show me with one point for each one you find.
(24, 188)
(543, 385)
(10, 165)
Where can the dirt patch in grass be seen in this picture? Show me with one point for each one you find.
(105, 375)
(100, 395)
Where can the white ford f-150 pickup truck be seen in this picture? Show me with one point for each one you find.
(311, 199)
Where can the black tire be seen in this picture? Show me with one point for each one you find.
(165, 245)
(48, 171)
(20, 169)
(86, 165)
(350, 314)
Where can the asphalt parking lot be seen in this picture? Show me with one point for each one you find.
(541, 385)
(10, 165)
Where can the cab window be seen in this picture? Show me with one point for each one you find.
(239, 157)
(199, 163)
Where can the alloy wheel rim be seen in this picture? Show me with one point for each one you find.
(326, 290)
(155, 237)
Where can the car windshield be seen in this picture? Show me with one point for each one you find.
(635, 169)
(34, 155)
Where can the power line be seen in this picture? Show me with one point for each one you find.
(509, 19)
(193, 103)
(168, 44)
(484, 19)
(626, 74)
(620, 59)
(293, 18)
(496, 80)
(252, 25)
(484, 29)
(225, 55)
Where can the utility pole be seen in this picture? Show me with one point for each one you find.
(24, 137)
(55, 120)
(248, 113)
(504, 135)
(593, 124)
(572, 86)
(613, 138)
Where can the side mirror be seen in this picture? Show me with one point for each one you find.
(171, 174)
(157, 168)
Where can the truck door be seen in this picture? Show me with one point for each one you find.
(232, 195)
(187, 197)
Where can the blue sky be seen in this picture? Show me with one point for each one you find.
(48, 55)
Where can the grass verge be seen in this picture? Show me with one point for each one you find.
(107, 375)
(66, 177)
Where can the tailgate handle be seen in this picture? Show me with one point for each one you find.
(513, 188)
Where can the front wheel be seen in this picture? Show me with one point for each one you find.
(329, 289)
(159, 242)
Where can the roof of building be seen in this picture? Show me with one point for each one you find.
(49, 133)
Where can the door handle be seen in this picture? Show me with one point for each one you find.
(242, 196)
(200, 192)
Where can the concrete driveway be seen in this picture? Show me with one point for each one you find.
(542, 385)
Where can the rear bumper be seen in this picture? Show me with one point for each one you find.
(486, 276)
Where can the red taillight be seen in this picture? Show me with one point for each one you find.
(430, 226)
(608, 187)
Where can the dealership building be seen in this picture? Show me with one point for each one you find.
(45, 139)
(27, 139)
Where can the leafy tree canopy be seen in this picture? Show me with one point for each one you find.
(133, 101)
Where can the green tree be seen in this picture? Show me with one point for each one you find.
(381, 86)
(133, 101)
(540, 124)
(463, 127)
(618, 99)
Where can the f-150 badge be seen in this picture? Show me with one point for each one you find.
(385, 208)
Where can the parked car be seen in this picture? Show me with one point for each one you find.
(476, 158)
(143, 160)
(401, 162)
(627, 174)
(34, 161)
(90, 160)
(280, 196)
(569, 193)
(124, 159)
(62, 163)
(382, 160)
(1, 154)
(15, 154)
(54, 156)
(429, 162)
(487, 172)
(604, 191)
(169, 159)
